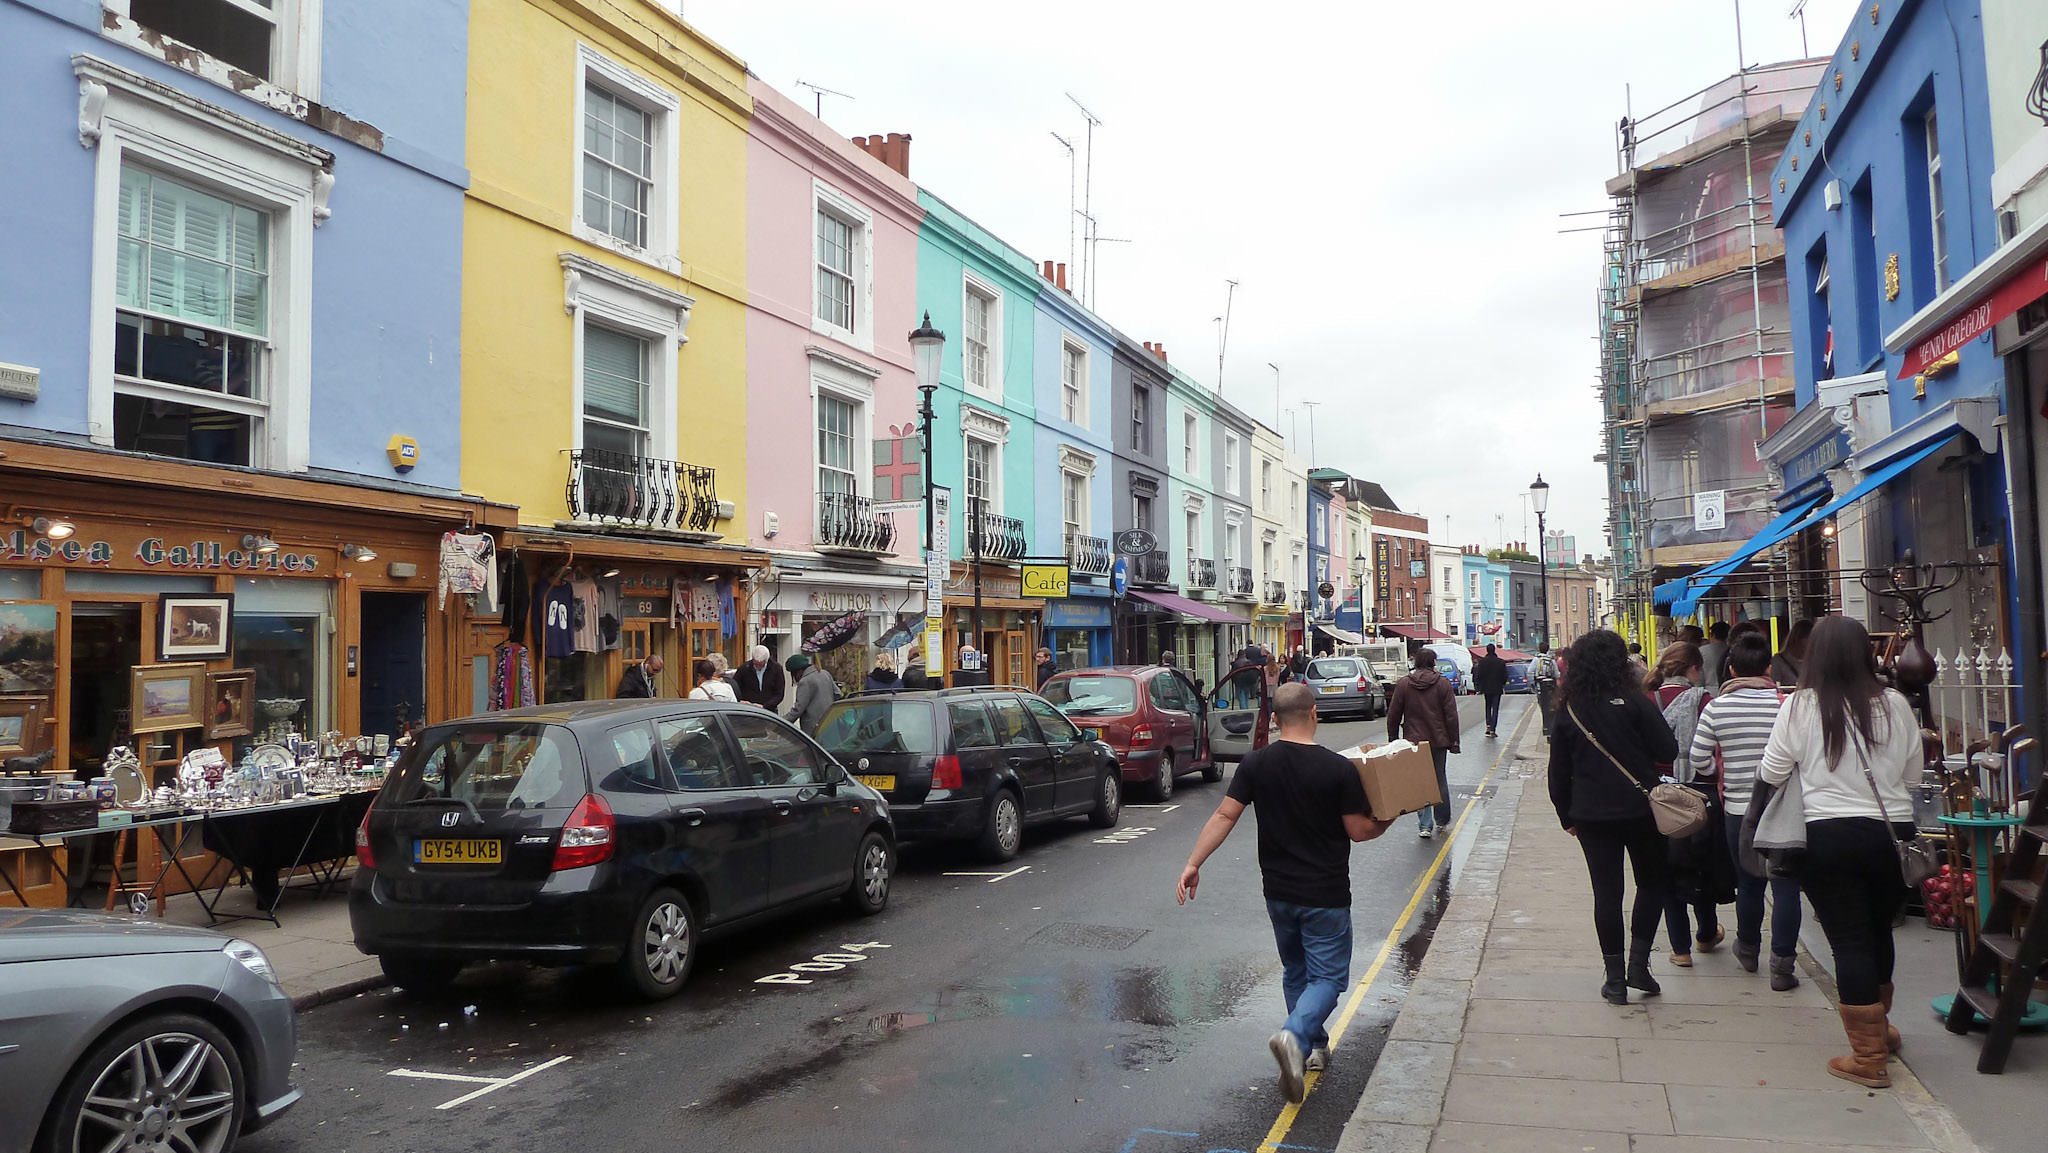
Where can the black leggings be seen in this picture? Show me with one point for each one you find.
(1851, 874)
(1604, 842)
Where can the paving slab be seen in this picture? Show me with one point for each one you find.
(1433, 1011)
(1683, 1144)
(1872, 1117)
(1771, 1025)
(1556, 1103)
(1536, 1055)
(1407, 1085)
(1551, 983)
(1734, 1064)
(1558, 1018)
(1466, 1137)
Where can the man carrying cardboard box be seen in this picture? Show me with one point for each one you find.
(1425, 710)
(1312, 807)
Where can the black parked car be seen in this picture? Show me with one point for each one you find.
(608, 832)
(974, 763)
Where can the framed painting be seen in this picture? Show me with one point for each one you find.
(21, 725)
(195, 627)
(231, 704)
(28, 648)
(167, 697)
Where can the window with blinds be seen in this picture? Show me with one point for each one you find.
(615, 391)
(835, 270)
(618, 165)
(836, 442)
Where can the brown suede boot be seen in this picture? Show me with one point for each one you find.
(1892, 1040)
(1865, 1025)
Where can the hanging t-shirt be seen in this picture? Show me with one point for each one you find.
(583, 616)
(554, 620)
(608, 615)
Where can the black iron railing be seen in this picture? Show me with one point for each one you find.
(847, 521)
(1002, 537)
(1151, 568)
(1238, 582)
(1201, 573)
(1090, 555)
(616, 488)
(1276, 592)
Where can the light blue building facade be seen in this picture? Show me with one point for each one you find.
(1074, 452)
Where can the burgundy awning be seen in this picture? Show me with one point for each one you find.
(1188, 608)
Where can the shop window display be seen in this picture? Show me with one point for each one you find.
(106, 645)
(288, 655)
(849, 662)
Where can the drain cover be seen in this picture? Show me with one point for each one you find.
(1109, 937)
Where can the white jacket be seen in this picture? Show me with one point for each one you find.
(1842, 790)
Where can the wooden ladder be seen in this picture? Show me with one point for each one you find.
(1999, 976)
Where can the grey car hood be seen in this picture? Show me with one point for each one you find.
(64, 934)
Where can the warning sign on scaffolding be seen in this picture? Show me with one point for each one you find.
(1710, 511)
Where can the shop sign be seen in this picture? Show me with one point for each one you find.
(2022, 288)
(1710, 511)
(839, 601)
(1077, 614)
(646, 584)
(1045, 580)
(154, 553)
(992, 585)
(935, 645)
(1383, 568)
(1816, 460)
(644, 608)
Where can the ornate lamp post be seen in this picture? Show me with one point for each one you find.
(1539, 499)
(927, 346)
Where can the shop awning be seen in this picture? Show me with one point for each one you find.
(1341, 636)
(1687, 597)
(2008, 280)
(1187, 608)
(1416, 632)
(1783, 526)
(1503, 653)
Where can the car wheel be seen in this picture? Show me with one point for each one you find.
(422, 976)
(873, 865)
(171, 1081)
(661, 947)
(1214, 771)
(1109, 798)
(1002, 831)
(1162, 785)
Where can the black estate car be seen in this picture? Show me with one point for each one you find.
(606, 832)
(974, 763)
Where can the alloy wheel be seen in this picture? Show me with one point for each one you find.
(874, 872)
(1112, 795)
(1009, 825)
(168, 1091)
(667, 943)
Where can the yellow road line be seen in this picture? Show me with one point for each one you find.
(1285, 1121)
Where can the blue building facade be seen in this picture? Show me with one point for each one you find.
(1073, 454)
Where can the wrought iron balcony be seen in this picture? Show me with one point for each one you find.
(1201, 573)
(619, 489)
(1089, 555)
(849, 523)
(1276, 592)
(1237, 582)
(1151, 568)
(1002, 537)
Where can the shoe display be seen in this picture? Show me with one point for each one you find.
(1293, 1066)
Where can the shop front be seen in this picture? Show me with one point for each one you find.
(844, 620)
(1273, 628)
(1010, 621)
(1077, 629)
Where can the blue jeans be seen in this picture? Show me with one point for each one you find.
(1492, 711)
(1439, 813)
(1749, 903)
(1315, 962)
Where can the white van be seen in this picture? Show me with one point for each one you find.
(1388, 660)
(1454, 661)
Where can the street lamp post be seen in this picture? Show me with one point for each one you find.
(927, 344)
(1539, 499)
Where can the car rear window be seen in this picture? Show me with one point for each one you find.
(1333, 669)
(1092, 696)
(858, 727)
(493, 767)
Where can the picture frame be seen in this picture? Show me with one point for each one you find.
(231, 704)
(164, 698)
(28, 648)
(21, 725)
(195, 626)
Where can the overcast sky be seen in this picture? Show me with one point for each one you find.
(1384, 183)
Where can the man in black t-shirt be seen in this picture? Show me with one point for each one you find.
(1312, 807)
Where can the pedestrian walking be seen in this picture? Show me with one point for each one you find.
(710, 687)
(759, 681)
(1698, 876)
(882, 678)
(1856, 747)
(1787, 665)
(1297, 665)
(1604, 754)
(914, 676)
(815, 692)
(1544, 671)
(1425, 709)
(1312, 808)
(1714, 657)
(1637, 662)
(1733, 730)
(1490, 677)
(641, 680)
(1166, 658)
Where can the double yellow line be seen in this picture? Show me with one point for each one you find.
(1285, 1121)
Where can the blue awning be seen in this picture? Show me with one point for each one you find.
(1686, 597)
(1670, 591)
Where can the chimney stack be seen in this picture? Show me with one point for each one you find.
(1045, 270)
(892, 150)
(1062, 280)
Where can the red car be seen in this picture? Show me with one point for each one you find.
(1153, 716)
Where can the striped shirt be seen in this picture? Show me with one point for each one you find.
(1738, 725)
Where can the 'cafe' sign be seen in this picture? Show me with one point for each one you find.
(153, 553)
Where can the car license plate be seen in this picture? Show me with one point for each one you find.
(458, 851)
(880, 782)
(1333, 689)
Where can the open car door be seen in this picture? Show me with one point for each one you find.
(1240, 714)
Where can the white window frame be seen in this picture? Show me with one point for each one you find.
(1141, 419)
(651, 359)
(1937, 206)
(129, 118)
(1191, 444)
(618, 300)
(1266, 560)
(1296, 568)
(972, 286)
(1193, 519)
(1073, 351)
(827, 199)
(663, 212)
(1230, 446)
(1500, 594)
(992, 430)
(1079, 524)
(1473, 585)
(854, 383)
(1233, 537)
(1266, 484)
(1294, 501)
(294, 51)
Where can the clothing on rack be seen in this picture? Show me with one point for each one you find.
(554, 619)
(584, 632)
(469, 564)
(728, 611)
(608, 615)
(511, 578)
(511, 677)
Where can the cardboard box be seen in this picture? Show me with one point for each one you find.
(1399, 783)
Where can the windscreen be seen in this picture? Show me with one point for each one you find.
(493, 768)
(1093, 696)
(1330, 669)
(860, 727)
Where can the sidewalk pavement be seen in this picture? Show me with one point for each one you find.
(311, 949)
(1503, 1042)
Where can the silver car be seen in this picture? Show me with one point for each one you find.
(1345, 685)
(123, 1033)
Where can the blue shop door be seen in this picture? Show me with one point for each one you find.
(393, 662)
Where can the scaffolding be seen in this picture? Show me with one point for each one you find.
(1695, 341)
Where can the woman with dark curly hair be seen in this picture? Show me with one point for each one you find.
(1604, 754)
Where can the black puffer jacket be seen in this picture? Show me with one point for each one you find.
(1584, 784)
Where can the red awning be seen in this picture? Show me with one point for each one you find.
(1504, 654)
(1976, 316)
(1188, 608)
(1416, 632)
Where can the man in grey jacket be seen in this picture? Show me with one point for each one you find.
(815, 692)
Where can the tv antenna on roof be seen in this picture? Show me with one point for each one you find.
(1799, 13)
(1069, 146)
(820, 92)
(1087, 198)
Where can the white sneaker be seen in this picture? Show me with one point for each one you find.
(1426, 833)
(1318, 1059)
(1287, 1051)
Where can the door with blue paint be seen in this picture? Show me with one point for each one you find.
(394, 662)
